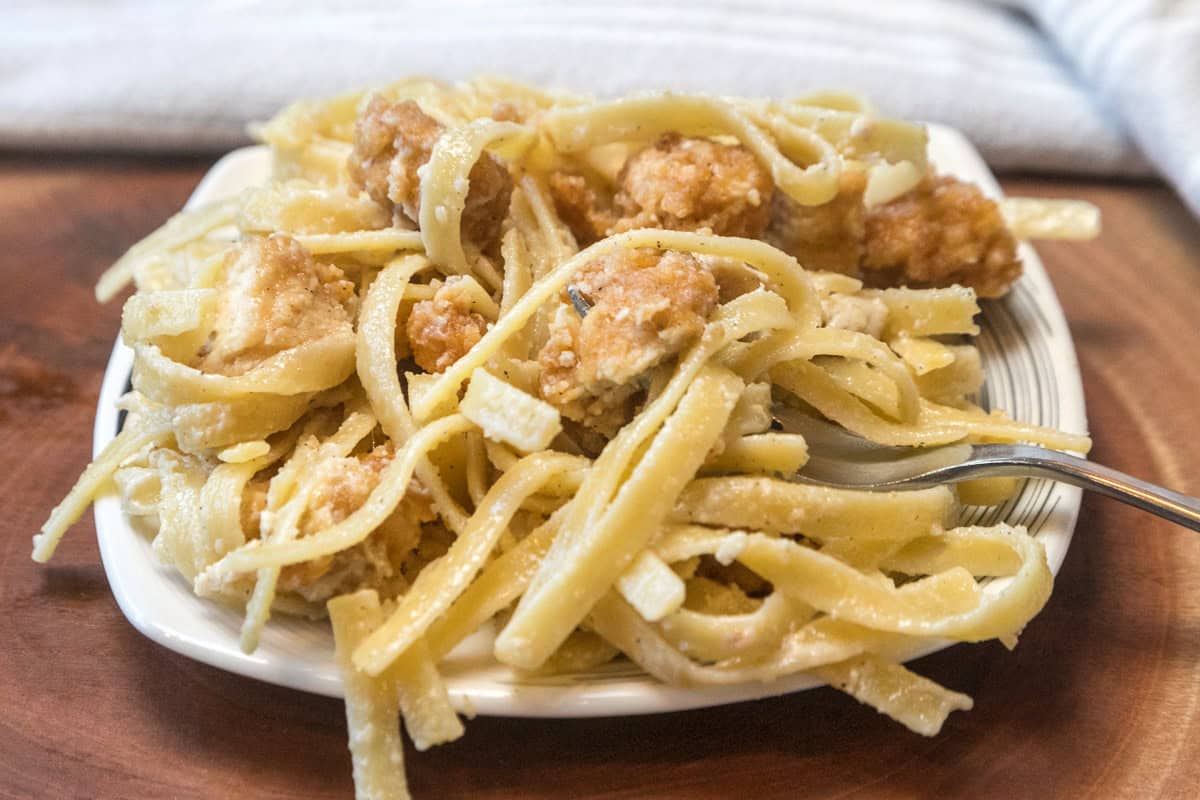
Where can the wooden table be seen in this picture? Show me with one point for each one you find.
(1101, 698)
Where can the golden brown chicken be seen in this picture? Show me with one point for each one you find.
(342, 486)
(695, 184)
(273, 295)
(442, 329)
(942, 232)
(392, 141)
(645, 307)
(678, 183)
(826, 237)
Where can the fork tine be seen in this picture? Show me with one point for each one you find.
(881, 470)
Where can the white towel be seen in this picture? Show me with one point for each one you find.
(1141, 60)
(1045, 85)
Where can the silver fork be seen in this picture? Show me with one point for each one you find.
(965, 462)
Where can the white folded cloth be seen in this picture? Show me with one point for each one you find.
(1140, 60)
(1043, 85)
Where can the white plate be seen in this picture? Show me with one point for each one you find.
(1031, 372)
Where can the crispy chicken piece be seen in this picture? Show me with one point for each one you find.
(940, 233)
(343, 485)
(582, 207)
(392, 141)
(559, 381)
(695, 184)
(646, 306)
(273, 296)
(441, 330)
(487, 203)
(825, 237)
(679, 184)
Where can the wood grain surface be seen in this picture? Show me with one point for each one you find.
(1101, 698)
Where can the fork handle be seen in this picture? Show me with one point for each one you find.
(1021, 460)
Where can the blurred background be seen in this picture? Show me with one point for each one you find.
(1099, 87)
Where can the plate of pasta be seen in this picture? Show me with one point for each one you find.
(486, 399)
